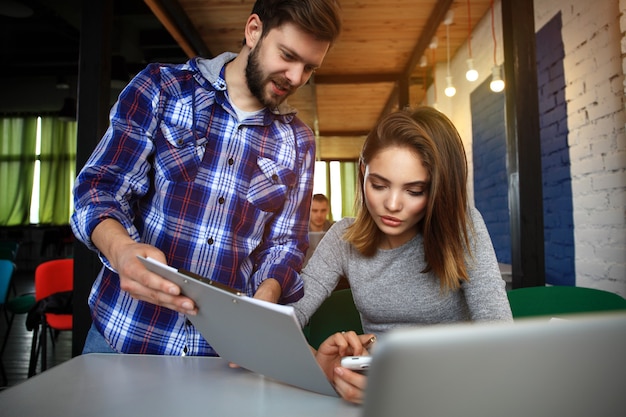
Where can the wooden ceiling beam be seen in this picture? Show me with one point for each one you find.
(177, 23)
(430, 30)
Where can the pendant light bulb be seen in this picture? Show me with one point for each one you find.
(471, 74)
(450, 91)
(497, 84)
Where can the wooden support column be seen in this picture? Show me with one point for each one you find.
(404, 94)
(523, 143)
(94, 89)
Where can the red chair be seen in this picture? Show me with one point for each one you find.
(54, 281)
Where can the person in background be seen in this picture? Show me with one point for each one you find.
(320, 208)
(416, 254)
(318, 223)
(204, 167)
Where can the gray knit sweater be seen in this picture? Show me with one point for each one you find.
(390, 291)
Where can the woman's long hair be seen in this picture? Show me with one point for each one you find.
(445, 227)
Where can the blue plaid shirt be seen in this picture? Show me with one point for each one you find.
(224, 198)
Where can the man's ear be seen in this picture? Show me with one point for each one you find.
(253, 30)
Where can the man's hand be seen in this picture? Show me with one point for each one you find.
(121, 251)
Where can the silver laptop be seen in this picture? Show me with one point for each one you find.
(533, 368)
(257, 335)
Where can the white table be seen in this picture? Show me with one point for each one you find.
(143, 385)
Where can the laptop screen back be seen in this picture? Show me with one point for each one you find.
(533, 368)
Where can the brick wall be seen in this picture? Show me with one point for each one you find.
(559, 245)
(594, 63)
(489, 167)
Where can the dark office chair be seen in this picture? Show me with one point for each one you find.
(562, 300)
(54, 283)
(8, 250)
(337, 313)
(11, 305)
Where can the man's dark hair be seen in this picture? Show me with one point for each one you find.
(320, 18)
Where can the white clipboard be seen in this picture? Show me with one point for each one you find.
(260, 336)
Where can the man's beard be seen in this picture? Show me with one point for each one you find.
(257, 81)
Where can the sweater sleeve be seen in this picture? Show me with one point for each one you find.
(323, 271)
(485, 293)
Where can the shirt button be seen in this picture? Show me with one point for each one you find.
(230, 161)
(210, 241)
(274, 177)
(180, 141)
(188, 322)
(221, 200)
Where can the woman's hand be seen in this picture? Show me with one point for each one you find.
(349, 384)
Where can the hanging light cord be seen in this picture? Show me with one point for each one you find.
(493, 33)
(469, 25)
(434, 76)
(448, 46)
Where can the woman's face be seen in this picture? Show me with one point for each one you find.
(396, 193)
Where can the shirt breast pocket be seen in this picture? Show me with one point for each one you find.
(180, 153)
(270, 185)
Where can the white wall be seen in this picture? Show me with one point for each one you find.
(594, 37)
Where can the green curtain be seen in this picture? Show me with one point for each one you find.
(58, 161)
(18, 139)
(349, 177)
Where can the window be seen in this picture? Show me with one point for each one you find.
(37, 167)
(337, 181)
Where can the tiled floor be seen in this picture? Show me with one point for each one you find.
(17, 354)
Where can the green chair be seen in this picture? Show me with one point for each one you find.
(336, 314)
(556, 301)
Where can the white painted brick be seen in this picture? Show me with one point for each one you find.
(575, 88)
(607, 105)
(617, 235)
(576, 117)
(579, 142)
(583, 167)
(590, 267)
(610, 181)
(602, 144)
(615, 254)
(583, 103)
(581, 186)
(590, 201)
(586, 231)
(602, 137)
(617, 199)
(593, 281)
(615, 160)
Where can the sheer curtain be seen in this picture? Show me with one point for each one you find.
(349, 183)
(58, 170)
(18, 157)
(338, 181)
(18, 136)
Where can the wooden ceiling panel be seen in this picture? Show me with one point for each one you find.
(350, 108)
